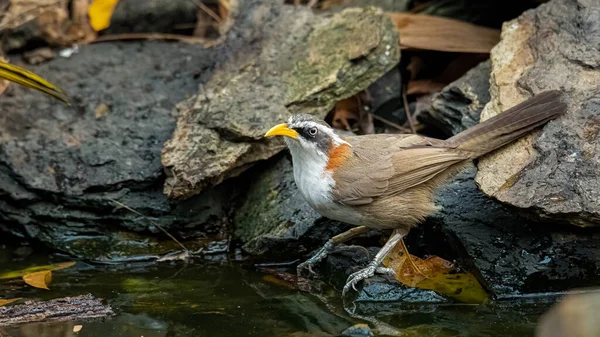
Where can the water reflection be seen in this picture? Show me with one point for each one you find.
(224, 299)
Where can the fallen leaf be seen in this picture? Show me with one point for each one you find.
(435, 274)
(77, 328)
(8, 301)
(428, 32)
(463, 287)
(30, 270)
(39, 279)
(350, 115)
(100, 12)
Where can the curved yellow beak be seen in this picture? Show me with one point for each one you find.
(281, 130)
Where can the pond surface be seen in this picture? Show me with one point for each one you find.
(222, 298)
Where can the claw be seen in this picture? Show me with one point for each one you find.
(318, 257)
(364, 274)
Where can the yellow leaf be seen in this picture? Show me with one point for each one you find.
(100, 12)
(8, 301)
(22, 272)
(463, 287)
(39, 279)
(435, 274)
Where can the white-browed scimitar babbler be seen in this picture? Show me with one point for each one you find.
(389, 180)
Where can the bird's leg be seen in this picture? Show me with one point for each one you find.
(373, 266)
(408, 256)
(328, 248)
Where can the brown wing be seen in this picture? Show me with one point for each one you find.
(390, 164)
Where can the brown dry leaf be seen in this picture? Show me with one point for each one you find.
(8, 301)
(100, 12)
(437, 275)
(77, 328)
(39, 279)
(349, 115)
(442, 34)
(406, 273)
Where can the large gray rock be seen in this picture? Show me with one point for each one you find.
(60, 167)
(552, 174)
(299, 63)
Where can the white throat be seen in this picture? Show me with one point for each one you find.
(316, 183)
(313, 181)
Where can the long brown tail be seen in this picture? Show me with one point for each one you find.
(510, 124)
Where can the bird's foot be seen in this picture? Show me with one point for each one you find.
(318, 257)
(364, 274)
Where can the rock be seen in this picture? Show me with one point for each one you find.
(458, 106)
(553, 173)
(298, 62)
(76, 308)
(60, 167)
(274, 220)
(512, 254)
(576, 315)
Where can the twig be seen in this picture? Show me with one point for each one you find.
(407, 110)
(209, 11)
(152, 36)
(149, 220)
(390, 123)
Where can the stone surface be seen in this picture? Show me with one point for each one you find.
(60, 167)
(512, 254)
(298, 63)
(274, 220)
(458, 106)
(553, 175)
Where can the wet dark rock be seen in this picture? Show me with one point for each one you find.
(60, 167)
(458, 106)
(512, 254)
(275, 221)
(385, 97)
(554, 173)
(298, 63)
(379, 290)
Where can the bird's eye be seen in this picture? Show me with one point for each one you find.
(312, 132)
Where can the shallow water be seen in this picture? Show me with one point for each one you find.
(222, 298)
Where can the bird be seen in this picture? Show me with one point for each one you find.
(389, 181)
(24, 77)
